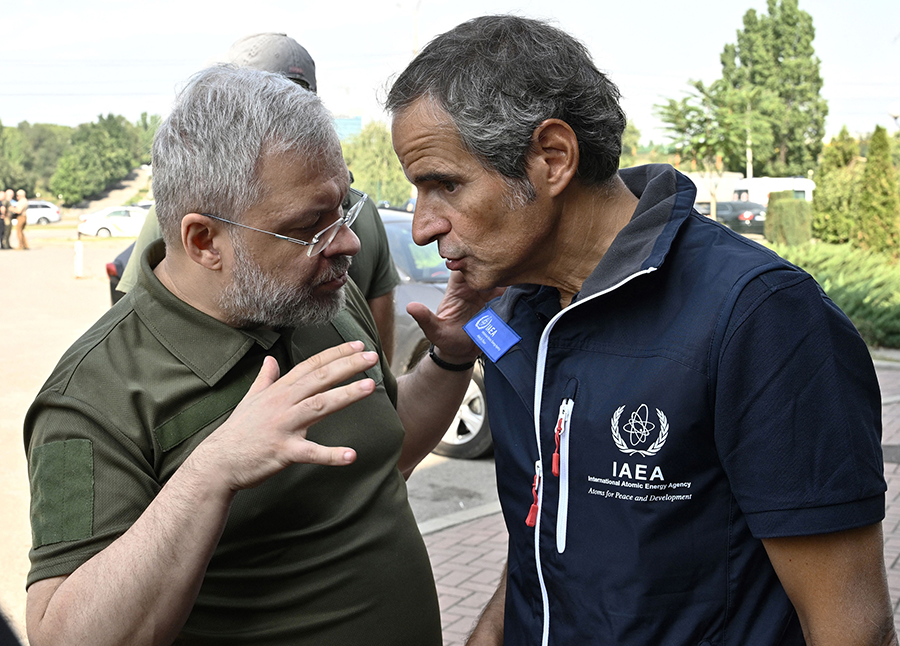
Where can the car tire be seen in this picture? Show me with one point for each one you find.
(103, 233)
(43, 221)
(469, 435)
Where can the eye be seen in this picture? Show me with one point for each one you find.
(449, 185)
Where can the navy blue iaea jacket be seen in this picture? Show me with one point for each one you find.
(698, 395)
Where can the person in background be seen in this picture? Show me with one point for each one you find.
(373, 268)
(20, 210)
(687, 431)
(8, 217)
(5, 205)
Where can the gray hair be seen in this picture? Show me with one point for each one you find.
(207, 153)
(500, 77)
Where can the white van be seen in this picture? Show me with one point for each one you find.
(757, 189)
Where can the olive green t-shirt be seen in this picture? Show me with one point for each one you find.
(315, 555)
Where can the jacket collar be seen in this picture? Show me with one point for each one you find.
(207, 346)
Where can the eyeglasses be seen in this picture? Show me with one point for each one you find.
(323, 238)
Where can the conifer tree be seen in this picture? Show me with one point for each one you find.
(836, 194)
(879, 199)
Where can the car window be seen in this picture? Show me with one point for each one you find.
(421, 264)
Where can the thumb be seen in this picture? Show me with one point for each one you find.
(424, 317)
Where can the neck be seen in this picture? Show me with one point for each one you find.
(175, 276)
(590, 220)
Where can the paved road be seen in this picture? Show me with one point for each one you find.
(45, 310)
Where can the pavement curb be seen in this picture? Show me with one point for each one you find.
(457, 518)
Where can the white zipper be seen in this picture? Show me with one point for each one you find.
(564, 423)
(538, 385)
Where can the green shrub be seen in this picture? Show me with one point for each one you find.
(879, 199)
(837, 191)
(864, 284)
(788, 220)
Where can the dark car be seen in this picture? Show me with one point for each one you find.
(740, 216)
(115, 269)
(423, 277)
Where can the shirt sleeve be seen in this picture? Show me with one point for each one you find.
(89, 484)
(798, 411)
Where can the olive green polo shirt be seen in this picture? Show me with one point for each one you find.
(315, 555)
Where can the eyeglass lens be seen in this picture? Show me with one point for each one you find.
(326, 236)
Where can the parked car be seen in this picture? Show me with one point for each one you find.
(42, 212)
(740, 216)
(423, 277)
(117, 221)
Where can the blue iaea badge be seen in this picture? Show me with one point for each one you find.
(491, 333)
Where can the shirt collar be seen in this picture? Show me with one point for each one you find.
(209, 347)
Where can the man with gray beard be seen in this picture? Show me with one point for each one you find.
(220, 459)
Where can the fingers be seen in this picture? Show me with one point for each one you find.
(329, 364)
(315, 408)
(306, 452)
(318, 407)
(268, 375)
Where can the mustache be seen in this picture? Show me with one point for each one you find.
(338, 267)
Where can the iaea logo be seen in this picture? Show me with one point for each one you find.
(639, 428)
(484, 322)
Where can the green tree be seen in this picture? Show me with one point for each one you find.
(837, 187)
(704, 131)
(42, 145)
(101, 154)
(773, 70)
(147, 127)
(376, 169)
(631, 140)
(768, 95)
(12, 174)
(879, 199)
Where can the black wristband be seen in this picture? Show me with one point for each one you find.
(453, 367)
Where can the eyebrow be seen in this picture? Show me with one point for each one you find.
(434, 177)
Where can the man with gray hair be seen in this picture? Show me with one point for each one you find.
(372, 269)
(220, 459)
(686, 429)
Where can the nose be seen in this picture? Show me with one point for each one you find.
(345, 243)
(427, 225)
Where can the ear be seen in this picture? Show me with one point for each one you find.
(203, 238)
(554, 155)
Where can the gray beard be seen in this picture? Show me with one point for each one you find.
(255, 298)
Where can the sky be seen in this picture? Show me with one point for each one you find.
(81, 59)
